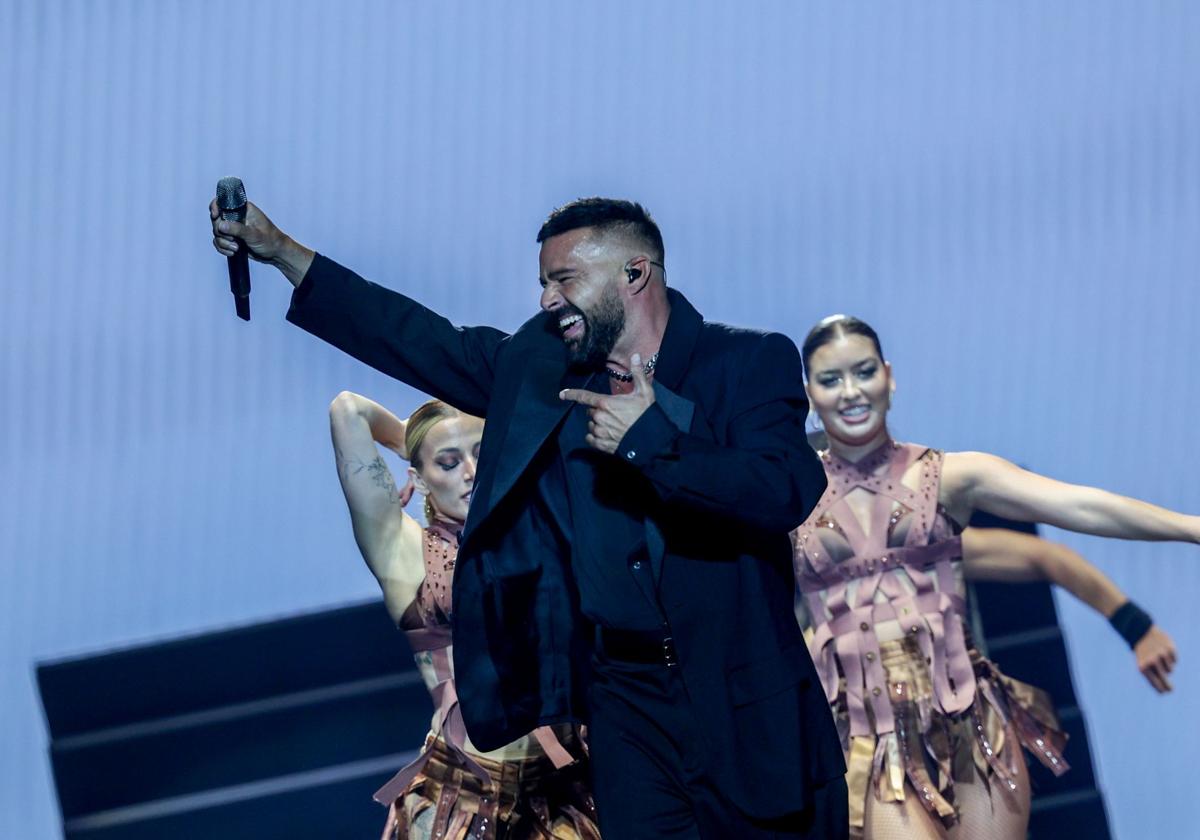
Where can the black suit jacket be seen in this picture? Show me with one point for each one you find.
(723, 448)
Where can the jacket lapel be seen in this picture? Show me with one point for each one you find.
(679, 410)
(534, 413)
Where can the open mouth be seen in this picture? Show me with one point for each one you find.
(571, 326)
(854, 414)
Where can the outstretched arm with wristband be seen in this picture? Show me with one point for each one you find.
(1000, 555)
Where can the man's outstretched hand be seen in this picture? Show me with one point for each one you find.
(263, 242)
(610, 416)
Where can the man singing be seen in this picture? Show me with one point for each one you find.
(626, 560)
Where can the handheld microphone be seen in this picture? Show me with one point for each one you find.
(231, 201)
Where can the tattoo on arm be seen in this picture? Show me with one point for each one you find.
(378, 472)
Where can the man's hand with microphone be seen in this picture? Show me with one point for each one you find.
(264, 242)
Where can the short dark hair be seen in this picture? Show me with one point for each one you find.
(827, 329)
(609, 215)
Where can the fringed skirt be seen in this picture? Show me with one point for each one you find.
(931, 750)
(526, 799)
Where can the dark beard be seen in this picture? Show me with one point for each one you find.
(604, 326)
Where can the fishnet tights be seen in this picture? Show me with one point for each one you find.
(1002, 815)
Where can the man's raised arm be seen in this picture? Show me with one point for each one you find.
(389, 331)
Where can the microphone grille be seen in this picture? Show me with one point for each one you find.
(231, 193)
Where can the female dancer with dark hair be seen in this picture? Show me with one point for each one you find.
(932, 729)
(531, 788)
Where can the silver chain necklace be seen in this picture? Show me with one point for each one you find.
(628, 377)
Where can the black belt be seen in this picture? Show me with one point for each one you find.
(648, 647)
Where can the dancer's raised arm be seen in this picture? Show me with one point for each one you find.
(388, 538)
(978, 481)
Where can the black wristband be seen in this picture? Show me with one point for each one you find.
(1132, 622)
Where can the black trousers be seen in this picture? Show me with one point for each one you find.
(648, 776)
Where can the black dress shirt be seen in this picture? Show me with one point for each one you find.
(608, 499)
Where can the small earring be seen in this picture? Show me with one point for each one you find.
(813, 422)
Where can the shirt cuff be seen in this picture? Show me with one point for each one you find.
(651, 435)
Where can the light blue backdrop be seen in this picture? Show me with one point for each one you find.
(1009, 191)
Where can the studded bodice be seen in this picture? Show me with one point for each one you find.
(879, 558)
(836, 545)
(439, 549)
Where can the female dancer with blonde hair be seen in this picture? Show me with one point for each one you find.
(535, 787)
(932, 730)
